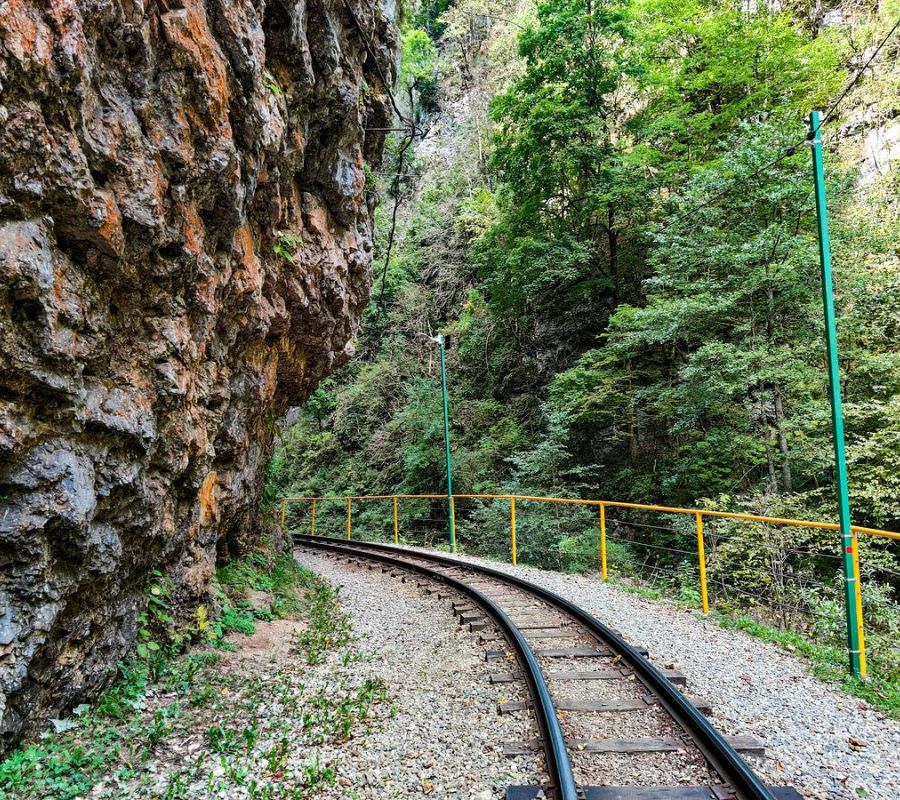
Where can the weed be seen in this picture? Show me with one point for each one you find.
(239, 620)
(315, 776)
(161, 725)
(277, 757)
(177, 788)
(203, 697)
(327, 626)
(271, 84)
(118, 736)
(63, 769)
(223, 740)
(286, 246)
(251, 735)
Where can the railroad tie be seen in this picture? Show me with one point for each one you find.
(673, 675)
(626, 746)
(546, 625)
(582, 652)
(745, 745)
(494, 655)
(602, 706)
(549, 633)
(605, 706)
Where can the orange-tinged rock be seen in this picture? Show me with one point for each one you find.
(149, 332)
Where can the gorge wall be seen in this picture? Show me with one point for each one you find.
(185, 249)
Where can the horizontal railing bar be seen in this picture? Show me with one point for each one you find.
(797, 523)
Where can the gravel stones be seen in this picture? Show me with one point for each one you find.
(446, 738)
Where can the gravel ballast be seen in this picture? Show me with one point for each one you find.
(755, 689)
(445, 739)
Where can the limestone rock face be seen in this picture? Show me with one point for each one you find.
(185, 250)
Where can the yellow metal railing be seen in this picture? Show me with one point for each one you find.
(602, 505)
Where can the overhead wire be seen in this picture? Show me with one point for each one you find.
(381, 76)
(859, 74)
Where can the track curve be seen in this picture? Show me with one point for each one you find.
(720, 755)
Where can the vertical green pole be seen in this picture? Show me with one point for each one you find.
(450, 510)
(834, 381)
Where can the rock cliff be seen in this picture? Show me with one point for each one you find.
(185, 248)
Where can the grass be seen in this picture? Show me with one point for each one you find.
(130, 742)
(327, 626)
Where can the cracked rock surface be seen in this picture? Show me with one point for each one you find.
(185, 250)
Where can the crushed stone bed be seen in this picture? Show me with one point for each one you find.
(755, 688)
(446, 738)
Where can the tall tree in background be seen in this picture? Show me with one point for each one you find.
(561, 255)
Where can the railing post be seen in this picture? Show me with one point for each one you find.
(860, 633)
(312, 520)
(453, 523)
(701, 556)
(283, 511)
(512, 527)
(603, 541)
(396, 523)
(349, 514)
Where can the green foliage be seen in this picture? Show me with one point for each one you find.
(52, 770)
(418, 70)
(707, 68)
(328, 627)
(118, 738)
(271, 84)
(286, 246)
(626, 258)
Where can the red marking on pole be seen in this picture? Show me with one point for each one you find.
(850, 549)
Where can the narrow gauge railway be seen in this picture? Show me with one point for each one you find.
(615, 727)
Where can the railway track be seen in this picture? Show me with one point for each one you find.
(612, 725)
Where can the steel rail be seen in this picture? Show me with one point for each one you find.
(721, 755)
(559, 766)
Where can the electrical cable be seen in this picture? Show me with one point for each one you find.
(384, 82)
(858, 75)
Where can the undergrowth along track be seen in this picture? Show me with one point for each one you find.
(571, 746)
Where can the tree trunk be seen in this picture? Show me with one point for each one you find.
(786, 479)
(613, 238)
(770, 440)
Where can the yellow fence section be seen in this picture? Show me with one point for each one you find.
(424, 521)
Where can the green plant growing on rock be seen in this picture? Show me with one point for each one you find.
(271, 84)
(369, 175)
(286, 246)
